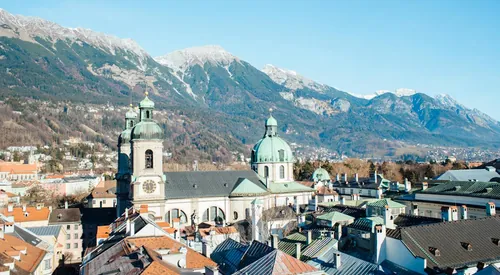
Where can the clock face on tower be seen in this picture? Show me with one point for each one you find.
(149, 186)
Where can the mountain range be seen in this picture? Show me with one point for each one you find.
(43, 60)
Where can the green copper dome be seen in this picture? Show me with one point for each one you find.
(124, 137)
(147, 130)
(272, 149)
(131, 114)
(146, 103)
(271, 121)
(320, 174)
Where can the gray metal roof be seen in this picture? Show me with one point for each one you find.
(179, 185)
(484, 175)
(449, 238)
(466, 188)
(26, 235)
(51, 230)
(349, 264)
(228, 255)
(70, 215)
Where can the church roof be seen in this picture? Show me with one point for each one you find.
(320, 174)
(199, 184)
(245, 187)
(288, 187)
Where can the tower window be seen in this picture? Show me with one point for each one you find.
(266, 171)
(149, 159)
(282, 155)
(131, 124)
(282, 172)
(147, 114)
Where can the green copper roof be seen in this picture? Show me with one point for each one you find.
(124, 137)
(271, 121)
(245, 187)
(335, 217)
(384, 202)
(131, 114)
(146, 103)
(272, 149)
(320, 174)
(147, 130)
(288, 187)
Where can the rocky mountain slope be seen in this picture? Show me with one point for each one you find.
(228, 97)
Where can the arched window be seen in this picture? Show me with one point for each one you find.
(214, 214)
(176, 214)
(149, 159)
(235, 215)
(282, 172)
(266, 172)
(147, 114)
(131, 124)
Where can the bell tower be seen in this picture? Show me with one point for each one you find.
(148, 181)
(124, 173)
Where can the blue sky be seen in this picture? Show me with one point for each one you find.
(358, 46)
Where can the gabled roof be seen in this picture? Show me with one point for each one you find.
(70, 215)
(276, 262)
(386, 202)
(484, 175)
(366, 224)
(228, 255)
(349, 264)
(29, 261)
(51, 230)
(449, 238)
(202, 184)
(245, 187)
(335, 217)
(31, 214)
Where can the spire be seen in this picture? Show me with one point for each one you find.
(146, 107)
(271, 125)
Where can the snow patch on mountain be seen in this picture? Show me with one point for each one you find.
(401, 92)
(28, 28)
(181, 60)
(448, 101)
(291, 79)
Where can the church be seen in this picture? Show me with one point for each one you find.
(193, 197)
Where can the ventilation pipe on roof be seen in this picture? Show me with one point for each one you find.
(463, 212)
(66, 205)
(275, 241)
(127, 228)
(490, 209)
(132, 229)
(356, 176)
(24, 207)
(337, 260)
(298, 250)
(309, 237)
(10, 207)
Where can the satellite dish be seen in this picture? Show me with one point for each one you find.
(181, 263)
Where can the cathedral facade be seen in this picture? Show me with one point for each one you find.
(201, 196)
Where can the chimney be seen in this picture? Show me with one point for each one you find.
(388, 219)
(414, 209)
(132, 229)
(66, 205)
(206, 250)
(379, 193)
(337, 177)
(297, 206)
(211, 270)
(356, 176)
(380, 233)
(342, 200)
(10, 207)
(177, 226)
(298, 250)
(315, 202)
(274, 242)
(345, 177)
(309, 237)
(338, 231)
(446, 214)
(454, 213)
(127, 228)
(463, 212)
(39, 206)
(126, 213)
(337, 261)
(425, 185)
(407, 185)
(24, 207)
(375, 178)
(50, 209)
(490, 209)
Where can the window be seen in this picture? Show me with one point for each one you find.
(68, 236)
(75, 245)
(147, 114)
(266, 172)
(68, 246)
(235, 215)
(47, 264)
(282, 155)
(131, 124)
(176, 213)
(103, 201)
(68, 227)
(149, 159)
(94, 202)
(76, 227)
(282, 172)
(76, 235)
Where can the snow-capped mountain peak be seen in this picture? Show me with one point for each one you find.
(28, 28)
(182, 59)
(447, 100)
(291, 79)
(401, 92)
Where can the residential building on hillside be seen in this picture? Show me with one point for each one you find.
(70, 220)
(16, 171)
(28, 216)
(103, 195)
